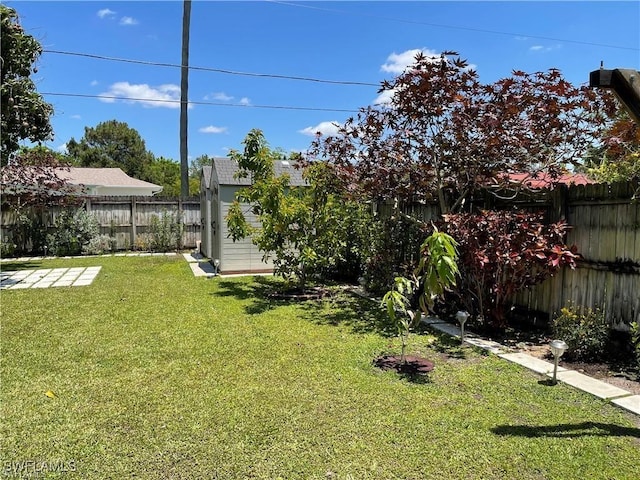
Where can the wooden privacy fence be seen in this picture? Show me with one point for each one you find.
(127, 217)
(605, 222)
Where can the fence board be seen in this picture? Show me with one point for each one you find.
(127, 217)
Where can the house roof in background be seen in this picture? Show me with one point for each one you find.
(544, 180)
(111, 177)
(226, 169)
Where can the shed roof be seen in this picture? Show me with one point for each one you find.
(226, 169)
(206, 175)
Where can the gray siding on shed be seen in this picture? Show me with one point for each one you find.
(243, 255)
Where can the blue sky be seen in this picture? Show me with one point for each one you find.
(364, 42)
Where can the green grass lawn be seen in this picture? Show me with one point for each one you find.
(158, 374)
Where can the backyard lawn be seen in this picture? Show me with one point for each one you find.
(154, 373)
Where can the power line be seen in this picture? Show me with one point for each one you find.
(209, 69)
(440, 25)
(158, 100)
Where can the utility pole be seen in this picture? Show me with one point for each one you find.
(184, 99)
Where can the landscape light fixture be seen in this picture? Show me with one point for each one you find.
(216, 265)
(558, 347)
(462, 317)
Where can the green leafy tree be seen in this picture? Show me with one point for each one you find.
(194, 172)
(111, 144)
(165, 172)
(25, 115)
(300, 227)
(618, 158)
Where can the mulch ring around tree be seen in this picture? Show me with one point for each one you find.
(411, 366)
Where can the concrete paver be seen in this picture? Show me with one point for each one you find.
(631, 403)
(591, 385)
(46, 278)
(532, 363)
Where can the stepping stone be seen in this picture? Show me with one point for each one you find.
(532, 363)
(631, 403)
(591, 385)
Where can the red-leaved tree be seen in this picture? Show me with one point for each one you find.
(444, 135)
(29, 184)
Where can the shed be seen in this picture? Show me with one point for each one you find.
(205, 211)
(241, 256)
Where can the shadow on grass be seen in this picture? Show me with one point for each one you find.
(15, 266)
(257, 291)
(359, 314)
(584, 429)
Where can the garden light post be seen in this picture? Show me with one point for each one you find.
(216, 265)
(462, 317)
(558, 347)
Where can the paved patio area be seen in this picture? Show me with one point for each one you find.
(48, 277)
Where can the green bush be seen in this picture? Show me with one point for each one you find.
(7, 248)
(72, 231)
(99, 245)
(585, 330)
(635, 342)
(165, 232)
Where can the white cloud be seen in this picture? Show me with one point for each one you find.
(105, 12)
(76, 117)
(62, 148)
(167, 96)
(385, 97)
(245, 101)
(94, 83)
(128, 21)
(212, 129)
(398, 62)
(221, 96)
(541, 48)
(327, 129)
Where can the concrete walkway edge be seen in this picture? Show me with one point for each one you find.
(600, 389)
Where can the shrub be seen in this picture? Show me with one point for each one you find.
(165, 232)
(72, 231)
(99, 245)
(585, 331)
(7, 248)
(29, 233)
(635, 343)
(501, 253)
(394, 251)
(143, 242)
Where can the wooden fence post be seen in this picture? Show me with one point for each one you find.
(134, 232)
